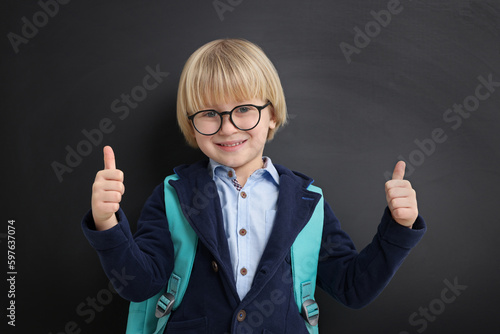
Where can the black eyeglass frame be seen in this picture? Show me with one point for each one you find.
(230, 113)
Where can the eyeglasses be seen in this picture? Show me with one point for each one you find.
(244, 117)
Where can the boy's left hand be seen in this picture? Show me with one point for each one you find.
(401, 197)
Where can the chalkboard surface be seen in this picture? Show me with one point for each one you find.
(367, 83)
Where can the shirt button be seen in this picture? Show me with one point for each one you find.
(243, 194)
(230, 173)
(215, 267)
(241, 315)
(243, 232)
(243, 271)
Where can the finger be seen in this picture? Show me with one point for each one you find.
(398, 192)
(401, 202)
(114, 186)
(107, 197)
(399, 171)
(111, 197)
(107, 208)
(397, 184)
(109, 158)
(109, 174)
(406, 216)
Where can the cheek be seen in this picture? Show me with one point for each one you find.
(264, 131)
(260, 136)
(202, 141)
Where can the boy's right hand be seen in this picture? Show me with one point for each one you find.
(107, 192)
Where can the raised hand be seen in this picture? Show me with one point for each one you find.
(401, 197)
(107, 192)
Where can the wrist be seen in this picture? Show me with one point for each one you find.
(102, 225)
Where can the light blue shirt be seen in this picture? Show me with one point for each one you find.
(248, 217)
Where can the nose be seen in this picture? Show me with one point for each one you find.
(227, 127)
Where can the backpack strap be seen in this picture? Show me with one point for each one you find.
(304, 258)
(151, 315)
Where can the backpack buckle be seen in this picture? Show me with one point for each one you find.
(310, 312)
(164, 305)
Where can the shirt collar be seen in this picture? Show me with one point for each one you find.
(268, 167)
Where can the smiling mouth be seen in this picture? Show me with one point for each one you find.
(233, 144)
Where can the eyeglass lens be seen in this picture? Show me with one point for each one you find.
(243, 117)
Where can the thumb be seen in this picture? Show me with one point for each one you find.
(109, 158)
(399, 171)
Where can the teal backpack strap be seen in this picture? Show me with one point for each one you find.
(151, 315)
(304, 257)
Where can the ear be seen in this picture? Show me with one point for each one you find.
(272, 121)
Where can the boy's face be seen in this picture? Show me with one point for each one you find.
(240, 150)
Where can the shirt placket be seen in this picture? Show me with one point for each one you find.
(243, 238)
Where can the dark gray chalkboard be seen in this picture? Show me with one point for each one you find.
(367, 83)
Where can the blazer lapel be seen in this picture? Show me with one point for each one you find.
(200, 203)
(295, 207)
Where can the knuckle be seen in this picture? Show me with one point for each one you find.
(96, 187)
(115, 207)
(98, 175)
(396, 213)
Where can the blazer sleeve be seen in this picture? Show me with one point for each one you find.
(356, 279)
(140, 265)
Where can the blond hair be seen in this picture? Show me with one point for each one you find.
(223, 71)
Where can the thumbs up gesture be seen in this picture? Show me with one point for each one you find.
(401, 197)
(107, 192)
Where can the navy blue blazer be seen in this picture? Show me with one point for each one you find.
(140, 265)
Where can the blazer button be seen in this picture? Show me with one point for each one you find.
(241, 315)
(215, 267)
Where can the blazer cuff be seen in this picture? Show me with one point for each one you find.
(396, 234)
(110, 238)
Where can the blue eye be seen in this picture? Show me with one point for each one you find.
(243, 109)
(209, 114)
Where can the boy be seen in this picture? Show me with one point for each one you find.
(230, 102)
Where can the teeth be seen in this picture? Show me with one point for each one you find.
(235, 144)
